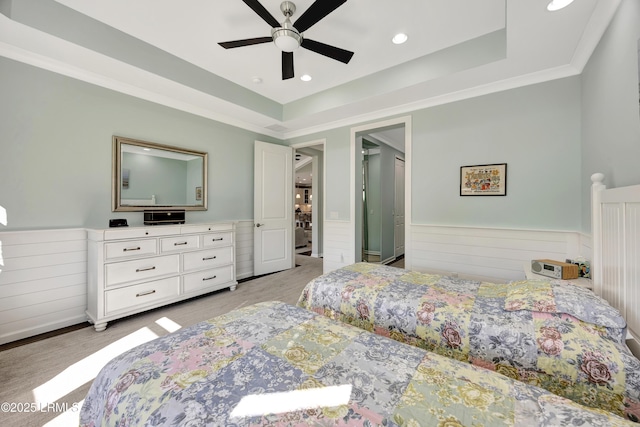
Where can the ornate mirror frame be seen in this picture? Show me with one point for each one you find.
(120, 182)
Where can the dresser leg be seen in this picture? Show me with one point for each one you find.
(100, 326)
(233, 287)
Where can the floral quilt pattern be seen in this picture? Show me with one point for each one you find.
(199, 376)
(560, 337)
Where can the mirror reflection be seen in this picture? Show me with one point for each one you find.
(149, 176)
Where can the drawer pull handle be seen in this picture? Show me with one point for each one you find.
(138, 270)
(141, 294)
(179, 243)
(208, 278)
(131, 249)
(218, 239)
(208, 258)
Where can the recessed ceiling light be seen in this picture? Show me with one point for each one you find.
(558, 4)
(256, 80)
(399, 38)
(305, 78)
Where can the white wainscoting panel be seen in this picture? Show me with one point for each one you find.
(632, 269)
(43, 281)
(490, 254)
(613, 240)
(620, 240)
(244, 249)
(338, 245)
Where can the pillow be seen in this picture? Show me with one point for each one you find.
(552, 296)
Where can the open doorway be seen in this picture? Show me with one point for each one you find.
(379, 202)
(309, 198)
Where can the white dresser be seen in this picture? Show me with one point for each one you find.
(133, 269)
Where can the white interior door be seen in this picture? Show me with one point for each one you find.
(398, 218)
(272, 208)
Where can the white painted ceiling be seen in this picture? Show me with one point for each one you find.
(192, 32)
(382, 79)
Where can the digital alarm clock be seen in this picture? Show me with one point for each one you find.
(554, 269)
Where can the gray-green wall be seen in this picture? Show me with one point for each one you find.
(610, 114)
(55, 147)
(534, 129)
(553, 136)
(155, 176)
(55, 151)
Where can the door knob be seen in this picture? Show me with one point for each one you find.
(259, 225)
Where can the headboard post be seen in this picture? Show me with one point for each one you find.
(597, 185)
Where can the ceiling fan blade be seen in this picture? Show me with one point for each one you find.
(327, 50)
(318, 10)
(287, 65)
(245, 42)
(262, 12)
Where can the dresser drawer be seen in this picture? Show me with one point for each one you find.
(138, 232)
(203, 228)
(141, 269)
(208, 279)
(180, 243)
(141, 295)
(215, 240)
(207, 259)
(129, 249)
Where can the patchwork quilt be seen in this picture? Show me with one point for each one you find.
(269, 364)
(560, 337)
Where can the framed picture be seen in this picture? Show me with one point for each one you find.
(483, 180)
(198, 193)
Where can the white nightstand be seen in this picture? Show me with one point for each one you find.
(580, 281)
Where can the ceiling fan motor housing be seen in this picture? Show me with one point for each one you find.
(287, 8)
(286, 37)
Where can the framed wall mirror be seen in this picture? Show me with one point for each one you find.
(150, 176)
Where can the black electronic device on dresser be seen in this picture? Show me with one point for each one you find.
(118, 222)
(164, 217)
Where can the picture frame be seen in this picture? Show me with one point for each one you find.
(483, 180)
(198, 193)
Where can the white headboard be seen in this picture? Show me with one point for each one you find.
(615, 230)
(139, 202)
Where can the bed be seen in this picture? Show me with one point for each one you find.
(307, 369)
(139, 202)
(615, 230)
(560, 337)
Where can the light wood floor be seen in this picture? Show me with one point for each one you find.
(60, 368)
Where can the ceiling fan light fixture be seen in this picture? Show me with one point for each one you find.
(286, 37)
(558, 4)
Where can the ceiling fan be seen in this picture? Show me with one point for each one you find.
(288, 37)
